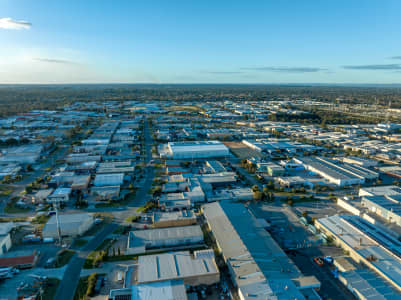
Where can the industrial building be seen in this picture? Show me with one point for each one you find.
(61, 194)
(255, 261)
(162, 290)
(21, 260)
(194, 269)
(193, 150)
(70, 225)
(172, 219)
(366, 244)
(294, 182)
(174, 201)
(109, 179)
(141, 240)
(363, 283)
(26, 154)
(390, 190)
(337, 173)
(214, 166)
(387, 207)
(5, 237)
(217, 179)
(270, 168)
(361, 161)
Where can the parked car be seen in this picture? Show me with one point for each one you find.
(51, 262)
(328, 259)
(319, 261)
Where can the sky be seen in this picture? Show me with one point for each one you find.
(268, 41)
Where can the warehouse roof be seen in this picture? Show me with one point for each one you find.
(175, 265)
(330, 169)
(197, 146)
(256, 259)
(104, 179)
(391, 203)
(141, 237)
(5, 228)
(370, 285)
(380, 190)
(176, 215)
(365, 244)
(69, 218)
(166, 290)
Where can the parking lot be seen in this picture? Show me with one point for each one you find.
(9, 287)
(331, 288)
(290, 233)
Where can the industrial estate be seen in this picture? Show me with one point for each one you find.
(212, 198)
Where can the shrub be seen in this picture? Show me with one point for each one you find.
(91, 285)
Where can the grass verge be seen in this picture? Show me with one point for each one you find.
(64, 258)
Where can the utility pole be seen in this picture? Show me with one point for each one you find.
(56, 204)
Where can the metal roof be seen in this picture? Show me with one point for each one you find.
(174, 265)
(261, 268)
(140, 237)
(166, 290)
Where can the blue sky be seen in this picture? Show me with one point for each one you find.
(281, 41)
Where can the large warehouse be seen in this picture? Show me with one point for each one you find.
(162, 290)
(255, 261)
(193, 150)
(388, 207)
(367, 244)
(141, 240)
(341, 174)
(70, 225)
(195, 269)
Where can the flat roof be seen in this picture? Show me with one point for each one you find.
(381, 190)
(331, 170)
(69, 218)
(261, 267)
(370, 285)
(162, 290)
(140, 237)
(390, 203)
(365, 243)
(176, 215)
(175, 265)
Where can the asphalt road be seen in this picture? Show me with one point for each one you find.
(68, 284)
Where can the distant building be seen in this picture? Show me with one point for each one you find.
(363, 162)
(336, 173)
(390, 190)
(194, 150)
(61, 194)
(109, 179)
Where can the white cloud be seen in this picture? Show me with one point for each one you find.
(8, 23)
